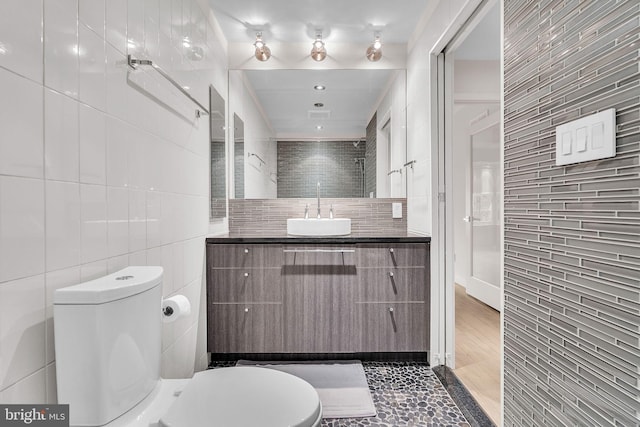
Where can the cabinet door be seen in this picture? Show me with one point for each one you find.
(393, 327)
(245, 328)
(392, 255)
(244, 285)
(319, 293)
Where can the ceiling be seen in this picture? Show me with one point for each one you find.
(294, 21)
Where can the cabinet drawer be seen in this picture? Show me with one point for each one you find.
(394, 327)
(392, 255)
(391, 284)
(244, 328)
(244, 256)
(244, 285)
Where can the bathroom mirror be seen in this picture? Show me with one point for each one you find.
(349, 134)
(217, 132)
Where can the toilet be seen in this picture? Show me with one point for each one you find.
(108, 347)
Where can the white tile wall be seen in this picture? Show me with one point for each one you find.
(100, 167)
(22, 329)
(22, 220)
(61, 46)
(21, 147)
(61, 145)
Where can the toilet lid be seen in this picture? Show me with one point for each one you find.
(244, 396)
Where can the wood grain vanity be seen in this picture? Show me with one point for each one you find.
(317, 295)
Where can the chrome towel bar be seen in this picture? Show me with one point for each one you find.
(133, 63)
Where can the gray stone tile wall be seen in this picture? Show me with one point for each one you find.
(572, 233)
(301, 164)
(370, 156)
(269, 216)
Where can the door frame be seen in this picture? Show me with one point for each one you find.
(442, 272)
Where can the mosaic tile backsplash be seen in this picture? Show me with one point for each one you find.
(269, 216)
(572, 233)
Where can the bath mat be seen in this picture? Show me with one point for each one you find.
(341, 385)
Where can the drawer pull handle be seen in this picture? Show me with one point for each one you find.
(393, 320)
(393, 282)
(246, 274)
(246, 309)
(246, 251)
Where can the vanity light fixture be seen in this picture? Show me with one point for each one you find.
(318, 51)
(374, 51)
(263, 52)
(319, 87)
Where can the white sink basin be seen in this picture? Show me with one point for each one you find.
(318, 227)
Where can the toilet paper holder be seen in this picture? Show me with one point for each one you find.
(175, 307)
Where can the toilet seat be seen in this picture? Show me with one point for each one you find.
(245, 396)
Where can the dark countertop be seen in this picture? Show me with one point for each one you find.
(335, 240)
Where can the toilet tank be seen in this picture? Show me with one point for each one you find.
(108, 343)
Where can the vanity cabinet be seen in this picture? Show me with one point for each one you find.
(320, 297)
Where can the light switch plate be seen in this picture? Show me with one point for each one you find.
(588, 138)
(396, 210)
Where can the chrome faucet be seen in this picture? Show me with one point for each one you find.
(318, 194)
(306, 211)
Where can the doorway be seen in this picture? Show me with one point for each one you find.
(472, 145)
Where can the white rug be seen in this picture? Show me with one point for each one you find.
(341, 385)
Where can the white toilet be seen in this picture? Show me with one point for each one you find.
(108, 345)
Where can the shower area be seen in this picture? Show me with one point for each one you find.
(340, 167)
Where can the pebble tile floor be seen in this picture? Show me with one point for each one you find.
(405, 394)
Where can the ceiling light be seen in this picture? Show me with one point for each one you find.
(318, 51)
(263, 52)
(374, 51)
(319, 87)
(319, 127)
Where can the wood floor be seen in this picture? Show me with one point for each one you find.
(478, 352)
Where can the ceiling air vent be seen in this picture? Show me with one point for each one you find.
(319, 114)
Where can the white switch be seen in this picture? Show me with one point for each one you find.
(581, 139)
(396, 210)
(588, 138)
(597, 135)
(566, 143)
